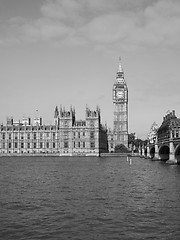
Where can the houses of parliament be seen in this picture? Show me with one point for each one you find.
(68, 136)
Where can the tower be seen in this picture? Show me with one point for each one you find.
(120, 101)
(56, 116)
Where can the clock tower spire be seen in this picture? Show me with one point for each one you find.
(120, 101)
(120, 74)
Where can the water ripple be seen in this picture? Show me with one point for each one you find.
(88, 198)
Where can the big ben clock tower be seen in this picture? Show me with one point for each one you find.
(120, 101)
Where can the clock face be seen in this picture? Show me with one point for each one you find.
(120, 94)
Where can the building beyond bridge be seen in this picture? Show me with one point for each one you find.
(166, 144)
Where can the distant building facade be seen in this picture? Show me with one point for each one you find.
(119, 134)
(170, 127)
(152, 136)
(66, 137)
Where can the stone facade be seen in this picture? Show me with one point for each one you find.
(167, 144)
(170, 127)
(66, 137)
(119, 134)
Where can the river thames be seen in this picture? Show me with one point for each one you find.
(88, 198)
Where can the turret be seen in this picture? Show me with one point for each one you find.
(56, 116)
(67, 118)
(92, 117)
(26, 121)
(37, 119)
(9, 120)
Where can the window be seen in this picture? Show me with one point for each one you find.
(66, 123)
(79, 134)
(54, 136)
(84, 144)
(74, 144)
(47, 144)
(34, 136)
(22, 136)
(9, 145)
(22, 145)
(92, 124)
(83, 133)
(9, 136)
(92, 145)
(66, 145)
(54, 145)
(41, 135)
(41, 145)
(15, 145)
(28, 145)
(34, 145)
(177, 133)
(28, 136)
(16, 136)
(3, 136)
(79, 144)
(92, 135)
(66, 134)
(47, 134)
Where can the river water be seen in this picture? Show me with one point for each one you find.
(88, 198)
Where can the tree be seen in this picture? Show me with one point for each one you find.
(135, 142)
(131, 138)
(121, 149)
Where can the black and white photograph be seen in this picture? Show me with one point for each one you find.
(89, 119)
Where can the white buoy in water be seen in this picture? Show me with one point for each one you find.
(130, 161)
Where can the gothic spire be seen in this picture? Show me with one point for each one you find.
(120, 69)
(120, 73)
(56, 112)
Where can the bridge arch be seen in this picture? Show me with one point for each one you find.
(177, 154)
(164, 152)
(152, 152)
(145, 152)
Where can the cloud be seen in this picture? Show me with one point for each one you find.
(162, 23)
(157, 25)
(125, 24)
(67, 11)
(43, 29)
(105, 29)
(49, 29)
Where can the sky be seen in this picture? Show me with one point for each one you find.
(66, 52)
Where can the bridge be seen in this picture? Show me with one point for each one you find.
(166, 144)
(167, 150)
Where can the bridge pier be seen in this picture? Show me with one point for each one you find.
(156, 154)
(143, 151)
(148, 151)
(172, 159)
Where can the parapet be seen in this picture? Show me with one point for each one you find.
(169, 115)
